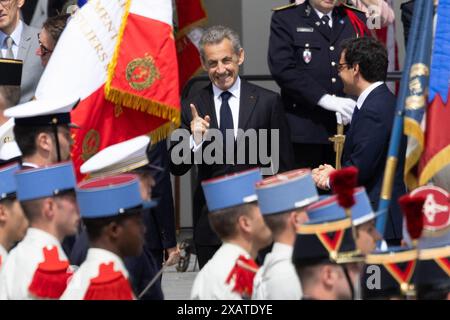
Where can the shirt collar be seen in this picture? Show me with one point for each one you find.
(227, 246)
(43, 236)
(235, 89)
(362, 97)
(15, 35)
(282, 249)
(103, 256)
(321, 14)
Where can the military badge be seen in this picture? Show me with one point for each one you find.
(142, 72)
(307, 56)
(436, 209)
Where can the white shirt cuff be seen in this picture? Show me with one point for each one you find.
(194, 147)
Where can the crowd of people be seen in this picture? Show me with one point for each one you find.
(263, 230)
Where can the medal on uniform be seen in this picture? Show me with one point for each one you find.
(307, 55)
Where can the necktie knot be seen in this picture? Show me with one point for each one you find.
(325, 20)
(225, 96)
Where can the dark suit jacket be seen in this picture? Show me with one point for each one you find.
(407, 13)
(366, 147)
(295, 33)
(259, 109)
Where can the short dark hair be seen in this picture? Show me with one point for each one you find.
(55, 25)
(95, 226)
(277, 222)
(370, 54)
(224, 221)
(32, 209)
(10, 95)
(25, 137)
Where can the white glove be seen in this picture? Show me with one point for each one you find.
(344, 106)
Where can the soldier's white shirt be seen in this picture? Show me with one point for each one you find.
(23, 260)
(210, 283)
(3, 256)
(277, 278)
(89, 269)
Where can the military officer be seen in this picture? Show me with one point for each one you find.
(303, 57)
(236, 219)
(111, 208)
(37, 268)
(326, 259)
(282, 200)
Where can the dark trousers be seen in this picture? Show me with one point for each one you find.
(204, 253)
(313, 155)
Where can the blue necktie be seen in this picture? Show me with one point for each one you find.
(226, 117)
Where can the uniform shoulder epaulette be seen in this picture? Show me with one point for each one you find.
(352, 7)
(291, 5)
(109, 285)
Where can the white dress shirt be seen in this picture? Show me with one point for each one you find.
(18, 271)
(89, 269)
(329, 14)
(277, 278)
(233, 102)
(15, 35)
(210, 283)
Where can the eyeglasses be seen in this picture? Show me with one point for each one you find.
(340, 66)
(44, 49)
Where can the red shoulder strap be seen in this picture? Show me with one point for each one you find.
(243, 273)
(109, 285)
(51, 276)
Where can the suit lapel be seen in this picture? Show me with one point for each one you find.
(338, 25)
(25, 41)
(246, 104)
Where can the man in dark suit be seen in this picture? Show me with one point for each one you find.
(303, 54)
(228, 103)
(363, 69)
(19, 41)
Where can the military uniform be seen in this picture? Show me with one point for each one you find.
(103, 275)
(37, 268)
(282, 194)
(219, 278)
(303, 58)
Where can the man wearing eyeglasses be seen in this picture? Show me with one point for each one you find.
(49, 36)
(19, 41)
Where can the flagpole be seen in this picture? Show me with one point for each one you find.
(397, 130)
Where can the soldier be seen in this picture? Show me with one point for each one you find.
(111, 208)
(304, 49)
(282, 200)
(37, 268)
(236, 219)
(13, 223)
(42, 131)
(326, 259)
(363, 219)
(131, 156)
(389, 274)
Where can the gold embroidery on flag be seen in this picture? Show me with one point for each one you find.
(141, 73)
(91, 143)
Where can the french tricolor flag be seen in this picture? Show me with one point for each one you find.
(119, 58)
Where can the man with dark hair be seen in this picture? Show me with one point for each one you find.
(13, 223)
(42, 131)
(282, 200)
(363, 68)
(19, 41)
(111, 208)
(37, 268)
(49, 36)
(236, 219)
